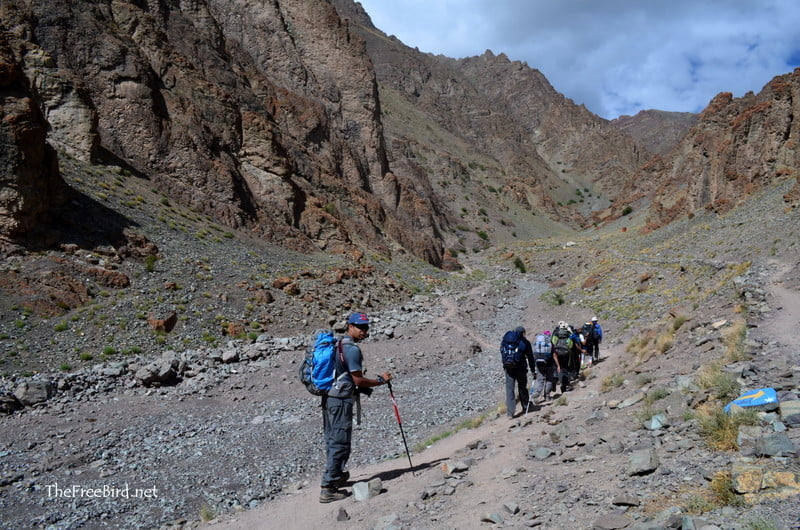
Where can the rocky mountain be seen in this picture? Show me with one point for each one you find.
(738, 147)
(29, 178)
(657, 130)
(270, 125)
(310, 129)
(498, 125)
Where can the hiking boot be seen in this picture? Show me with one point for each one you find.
(331, 494)
(341, 481)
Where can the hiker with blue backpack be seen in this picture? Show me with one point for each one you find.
(516, 354)
(334, 369)
(546, 366)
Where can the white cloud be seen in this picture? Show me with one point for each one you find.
(614, 56)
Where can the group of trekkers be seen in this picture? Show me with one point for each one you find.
(554, 358)
(334, 369)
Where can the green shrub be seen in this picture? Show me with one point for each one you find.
(520, 265)
(150, 262)
(678, 321)
(61, 326)
(656, 394)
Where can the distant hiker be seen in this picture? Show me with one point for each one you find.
(545, 366)
(594, 336)
(517, 355)
(562, 348)
(586, 331)
(578, 352)
(337, 405)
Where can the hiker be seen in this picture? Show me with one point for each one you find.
(594, 336)
(545, 364)
(562, 349)
(517, 355)
(337, 405)
(578, 352)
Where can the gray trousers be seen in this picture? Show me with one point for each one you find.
(517, 377)
(545, 379)
(337, 421)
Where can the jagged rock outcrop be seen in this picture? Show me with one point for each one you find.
(738, 146)
(261, 114)
(30, 185)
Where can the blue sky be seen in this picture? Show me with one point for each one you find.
(614, 56)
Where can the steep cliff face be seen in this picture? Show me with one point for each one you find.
(30, 185)
(738, 146)
(260, 113)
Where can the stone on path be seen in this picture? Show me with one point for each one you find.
(642, 462)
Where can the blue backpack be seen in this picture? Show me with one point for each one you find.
(510, 351)
(317, 371)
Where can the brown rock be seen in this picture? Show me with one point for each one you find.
(280, 283)
(746, 478)
(163, 324)
(263, 296)
(234, 329)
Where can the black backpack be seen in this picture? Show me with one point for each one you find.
(562, 341)
(510, 349)
(589, 332)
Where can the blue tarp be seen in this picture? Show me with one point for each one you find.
(765, 398)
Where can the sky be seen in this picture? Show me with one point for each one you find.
(616, 57)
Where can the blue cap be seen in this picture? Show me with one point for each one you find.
(358, 318)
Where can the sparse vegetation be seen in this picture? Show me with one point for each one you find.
(761, 523)
(719, 429)
(472, 423)
(150, 262)
(723, 385)
(207, 513)
(610, 382)
(656, 394)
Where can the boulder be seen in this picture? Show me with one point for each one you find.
(33, 392)
(164, 325)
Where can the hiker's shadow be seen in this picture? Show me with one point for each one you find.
(386, 476)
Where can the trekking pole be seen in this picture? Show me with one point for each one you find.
(400, 423)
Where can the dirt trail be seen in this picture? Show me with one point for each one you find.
(785, 318)
(507, 442)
